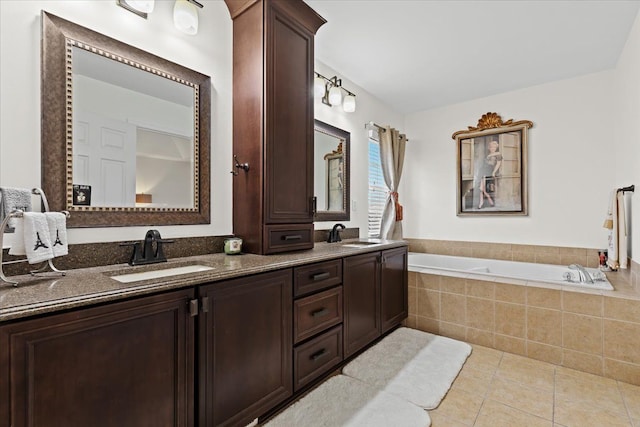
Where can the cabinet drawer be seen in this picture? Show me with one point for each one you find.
(316, 313)
(290, 237)
(316, 277)
(316, 357)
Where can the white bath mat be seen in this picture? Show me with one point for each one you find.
(414, 365)
(345, 401)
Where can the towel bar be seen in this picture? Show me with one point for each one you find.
(46, 265)
(629, 189)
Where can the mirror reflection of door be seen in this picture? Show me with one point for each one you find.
(104, 156)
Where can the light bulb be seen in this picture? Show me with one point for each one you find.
(335, 96)
(318, 87)
(349, 104)
(144, 6)
(185, 17)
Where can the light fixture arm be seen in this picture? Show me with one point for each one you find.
(200, 5)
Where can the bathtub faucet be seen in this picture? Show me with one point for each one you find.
(584, 275)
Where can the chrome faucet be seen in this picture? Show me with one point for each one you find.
(334, 234)
(584, 275)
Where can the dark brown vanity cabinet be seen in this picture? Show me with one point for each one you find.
(317, 321)
(394, 298)
(375, 296)
(123, 364)
(273, 123)
(246, 344)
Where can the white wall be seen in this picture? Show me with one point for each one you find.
(571, 157)
(209, 52)
(368, 108)
(626, 127)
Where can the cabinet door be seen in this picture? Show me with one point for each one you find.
(123, 364)
(394, 288)
(245, 347)
(289, 117)
(361, 288)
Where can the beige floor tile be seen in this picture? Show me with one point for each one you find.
(572, 413)
(484, 359)
(631, 396)
(460, 406)
(561, 370)
(438, 420)
(474, 381)
(528, 399)
(596, 393)
(495, 414)
(533, 373)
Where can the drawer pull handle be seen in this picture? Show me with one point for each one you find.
(292, 237)
(318, 355)
(320, 313)
(320, 276)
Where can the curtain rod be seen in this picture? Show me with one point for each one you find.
(380, 128)
(376, 125)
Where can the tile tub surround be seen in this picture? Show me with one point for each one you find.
(591, 331)
(83, 287)
(508, 252)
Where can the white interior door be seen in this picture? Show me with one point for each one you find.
(104, 157)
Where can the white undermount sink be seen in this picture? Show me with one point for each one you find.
(362, 243)
(156, 274)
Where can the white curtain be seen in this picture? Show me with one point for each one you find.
(392, 146)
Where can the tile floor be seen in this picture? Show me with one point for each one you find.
(498, 389)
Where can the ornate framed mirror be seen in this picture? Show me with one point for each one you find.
(125, 134)
(331, 172)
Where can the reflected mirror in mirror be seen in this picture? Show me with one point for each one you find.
(125, 134)
(331, 172)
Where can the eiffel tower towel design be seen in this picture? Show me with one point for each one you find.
(57, 222)
(37, 238)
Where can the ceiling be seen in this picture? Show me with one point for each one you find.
(416, 55)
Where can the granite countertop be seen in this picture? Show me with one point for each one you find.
(51, 292)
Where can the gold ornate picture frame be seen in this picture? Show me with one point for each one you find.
(492, 167)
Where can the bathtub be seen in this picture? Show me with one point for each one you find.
(530, 272)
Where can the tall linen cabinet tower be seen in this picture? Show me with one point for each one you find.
(273, 123)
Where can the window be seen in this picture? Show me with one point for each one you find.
(377, 189)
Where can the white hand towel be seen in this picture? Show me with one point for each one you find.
(17, 247)
(37, 240)
(616, 223)
(57, 222)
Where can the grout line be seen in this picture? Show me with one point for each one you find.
(624, 402)
(553, 395)
(486, 393)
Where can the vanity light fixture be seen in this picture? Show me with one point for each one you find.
(331, 92)
(140, 7)
(185, 16)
